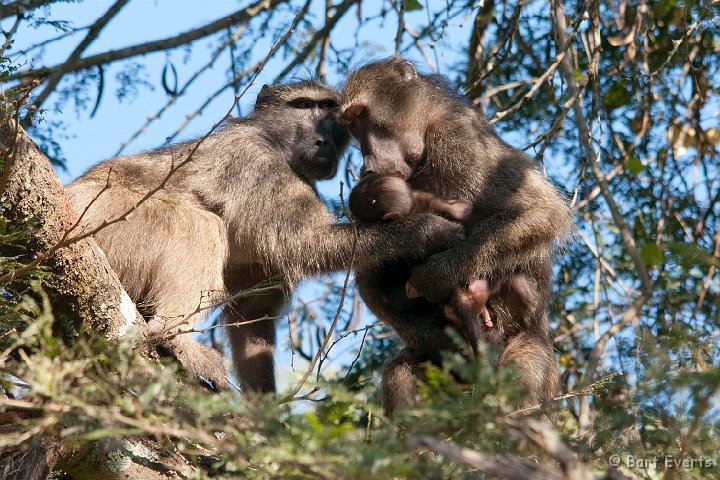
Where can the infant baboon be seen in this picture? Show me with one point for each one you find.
(416, 125)
(242, 211)
(389, 197)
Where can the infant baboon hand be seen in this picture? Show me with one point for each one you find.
(459, 210)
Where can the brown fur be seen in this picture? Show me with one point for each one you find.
(388, 197)
(415, 125)
(243, 210)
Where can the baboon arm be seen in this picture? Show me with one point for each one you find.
(285, 226)
(316, 249)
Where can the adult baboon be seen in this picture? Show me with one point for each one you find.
(245, 209)
(415, 125)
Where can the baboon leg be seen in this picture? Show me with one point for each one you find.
(422, 329)
(182, 293)
(399, 382)
(253, 344)
(422, 326)
(532, 353)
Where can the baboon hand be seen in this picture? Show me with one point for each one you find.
(459, 210)
(434, 279)
(435, 232)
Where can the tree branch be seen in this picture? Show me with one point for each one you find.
(87, 290)
(153, 46)
(567, 71)
(501, 466)
(54, 78)
(300, 57)
(21, 6)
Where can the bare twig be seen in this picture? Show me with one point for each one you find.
(584, 391)
(302, 55)
(190, 36)
(171, 101)
(9, 35)
(562, 49)
(54, 78)
(400, 6)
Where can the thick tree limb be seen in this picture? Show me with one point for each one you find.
(543, 435)
(153, 46)
(501, 466)
(85, 291)
(88, 291)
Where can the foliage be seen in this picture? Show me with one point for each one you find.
(636, 310)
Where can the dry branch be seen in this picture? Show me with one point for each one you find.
(175, 41)
(19, 7)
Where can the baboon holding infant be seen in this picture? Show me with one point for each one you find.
(379, 197)
(414, 125)
(243, 210)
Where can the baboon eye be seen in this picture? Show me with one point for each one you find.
(302, 103)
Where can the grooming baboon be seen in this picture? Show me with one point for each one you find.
(414, 124)
(389, 197)
(243, 210)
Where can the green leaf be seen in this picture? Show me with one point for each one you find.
(690, 255)
(411, 5)
(651, 254)
(617, 95)
(635, 165)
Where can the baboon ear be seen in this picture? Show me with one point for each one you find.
(406, 69)
(391, 216)
(348, 116)
(264, 95)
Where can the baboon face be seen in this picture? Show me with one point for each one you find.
(382, 109)
(305, 121)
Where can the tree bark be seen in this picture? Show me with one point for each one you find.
(19, 7)
(85, 293)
